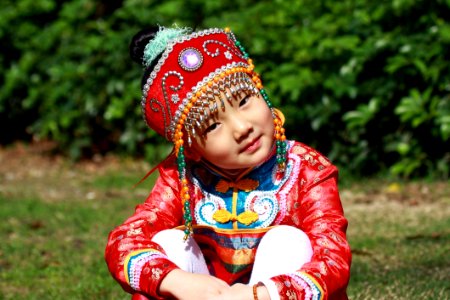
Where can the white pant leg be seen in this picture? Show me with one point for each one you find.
(283, 249)
(185, 254)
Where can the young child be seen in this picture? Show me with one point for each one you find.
(238, 211)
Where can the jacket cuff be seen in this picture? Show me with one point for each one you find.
(297, 285)
(311, 287)
(145, 269)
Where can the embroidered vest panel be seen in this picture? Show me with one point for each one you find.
(256, 201)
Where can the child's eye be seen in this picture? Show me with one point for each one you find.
(210, 128)
(244, 100)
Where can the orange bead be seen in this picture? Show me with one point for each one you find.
(250, 61)
(282, 130)
(198, 94)
(186, 196)
(210, 83)
(186, 111)
(283, 137)
(184, 181)
(216, 79)
(227, 29)
(179, 127)
(181, 122)
(259, 85)
(183, 117)
(277, 128)
(277, 136)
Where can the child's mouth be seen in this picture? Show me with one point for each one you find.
(252, 146)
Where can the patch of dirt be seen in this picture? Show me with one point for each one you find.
(410, 193)
(31, 170)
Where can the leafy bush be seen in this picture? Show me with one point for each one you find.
(365, 82)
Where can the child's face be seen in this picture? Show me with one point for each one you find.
(239, 136)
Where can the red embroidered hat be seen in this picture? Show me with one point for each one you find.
(187, 65)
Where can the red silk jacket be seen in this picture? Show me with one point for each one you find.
(305, 197)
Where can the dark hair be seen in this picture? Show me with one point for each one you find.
(137, 46)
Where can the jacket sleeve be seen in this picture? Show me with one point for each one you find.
(322, 219)
(136, 262)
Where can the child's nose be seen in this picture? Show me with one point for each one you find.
(241, 127)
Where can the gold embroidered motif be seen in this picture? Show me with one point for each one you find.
(323, 243)
(168, 194)
(156, 273)
(246, 218)
(322, 226)
(125, 246)
(323, 161)
(310, 159)
(298, 150)
(246, 185)
(134, 231)
(323, 268)
(291, 295)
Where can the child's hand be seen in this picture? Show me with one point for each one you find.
(241, 291)
(184, 285)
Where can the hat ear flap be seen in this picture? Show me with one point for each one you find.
(280, 115)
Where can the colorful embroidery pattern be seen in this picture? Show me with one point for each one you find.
(205, 209)
(267, 198)
(231, 254)
(134, 263)
(313, 291)
(265, 204)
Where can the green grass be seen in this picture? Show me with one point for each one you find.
(55, 250)
(400, 251)
(56, 218)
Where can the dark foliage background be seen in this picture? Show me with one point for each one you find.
(365, 82)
